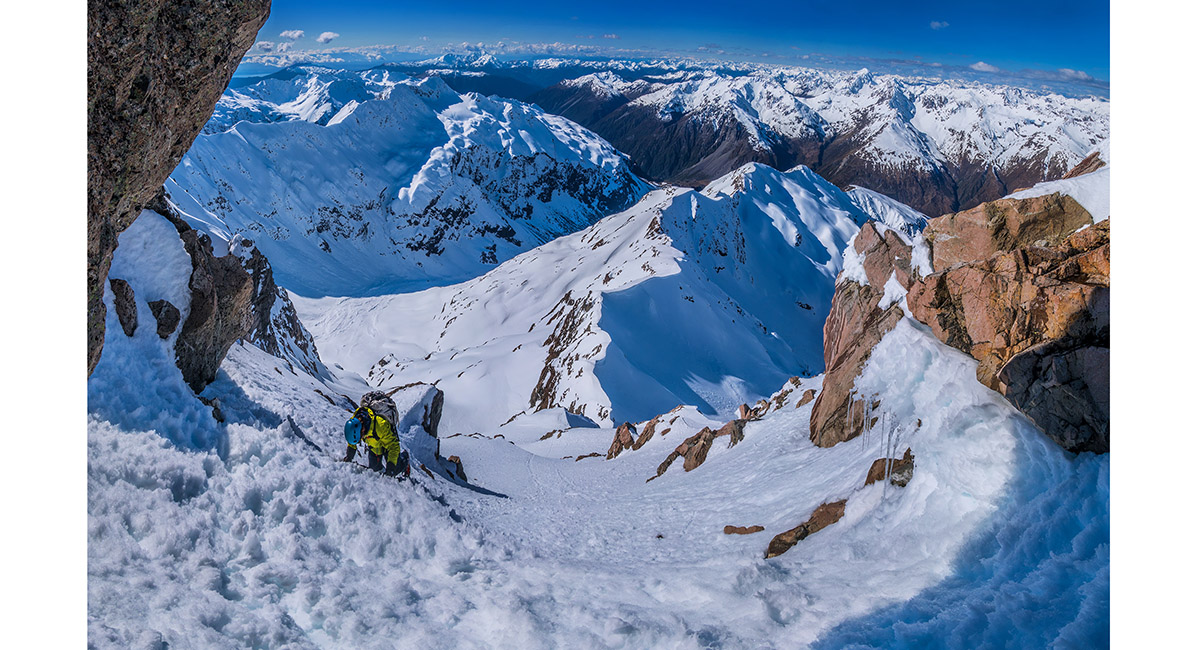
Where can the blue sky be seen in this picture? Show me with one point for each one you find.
(1012, 35)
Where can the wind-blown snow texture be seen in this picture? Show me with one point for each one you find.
(274, 543)
(411, 187)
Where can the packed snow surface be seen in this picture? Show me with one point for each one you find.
(1090, 190)
(272, 542)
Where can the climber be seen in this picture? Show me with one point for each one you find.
(382, 444)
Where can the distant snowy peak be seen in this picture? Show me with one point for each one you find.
(414, 186)
(309, 93)
(936, 145)
(607, 84)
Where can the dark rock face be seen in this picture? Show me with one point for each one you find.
(432, 415)
(167, 316)
(822, 517)
(458, 467)
(125, 304)
(854, 326)
(1063, 386)
(155, 71)
(221, 311)
(276, 328)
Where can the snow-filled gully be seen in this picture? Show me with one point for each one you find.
(267, 543)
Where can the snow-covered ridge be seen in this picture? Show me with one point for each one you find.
(900, 119)
(413, 187)
(709, 298)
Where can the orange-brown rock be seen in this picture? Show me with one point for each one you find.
(647, 433)
(694, 450)
(622, 440)
(823, 516)
(743, 530)
(996, 308)
(808, 396)
(1088, 165)
(1036, 319)
(1002, 225)
(901, 470)
(854, 325)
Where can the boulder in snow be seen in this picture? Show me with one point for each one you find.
(900, 474)
(166, 315)
(126, 306)
(825, 515)
(622, 440)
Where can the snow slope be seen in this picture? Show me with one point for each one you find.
(250, 533)
(708, 298)
(1090, 190)
(415, 186)
(272, 543)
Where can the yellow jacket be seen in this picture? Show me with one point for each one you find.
(380, 438)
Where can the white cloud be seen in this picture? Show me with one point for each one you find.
(1074, 74)
(612, 36)
(980, 66)
(264, 46)
(292, 34)
(938, 24)
(283, 47)
(325, 37)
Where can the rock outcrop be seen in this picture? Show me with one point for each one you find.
(622, 440)
(167, 317)
(155, 71)
(1002, 304)
(822, 517)
(221, 310)
(276, 327)
(694, 450)
(1091, 163)
(743, 530)
(901, 470)
(856, 323)
(125, 304)
(1037, 319)
(1003, 225)
(1021, 285)
(458, 468)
